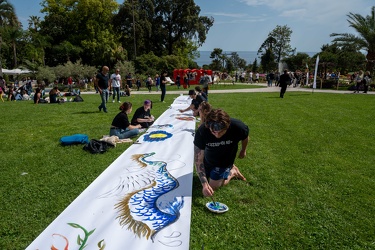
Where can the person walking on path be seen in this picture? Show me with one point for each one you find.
(115, 85)
(101, 82)
(283, 83)
(163, 82)
(215, 149)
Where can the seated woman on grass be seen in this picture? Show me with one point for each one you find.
(53, 95)
(143, 115)
(38, 97)
(121, 126)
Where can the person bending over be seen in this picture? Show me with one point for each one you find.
(196, 100)
(215, 149)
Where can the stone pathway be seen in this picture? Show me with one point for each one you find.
(246, 90)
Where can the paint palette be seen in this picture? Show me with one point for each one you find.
(217, 207)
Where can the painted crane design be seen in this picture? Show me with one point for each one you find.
(143, 209)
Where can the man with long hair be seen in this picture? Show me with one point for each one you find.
(215, 149)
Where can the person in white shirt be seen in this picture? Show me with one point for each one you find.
(115, 83)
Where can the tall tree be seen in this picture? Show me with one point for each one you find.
(282, 46)
(365, 27)
(238, 62)
(86, 24)
(7, 14)
(34, 23)
(268, 51)
(161, 26)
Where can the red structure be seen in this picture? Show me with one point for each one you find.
(194, 75)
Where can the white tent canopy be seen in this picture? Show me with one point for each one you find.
(15, 71)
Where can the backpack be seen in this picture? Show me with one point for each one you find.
(78, 98)
(74, 139)
(97, 146)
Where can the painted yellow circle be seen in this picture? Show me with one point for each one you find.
(158, 136)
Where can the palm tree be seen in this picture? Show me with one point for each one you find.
(14, 32)
(34, 23)
(6, 14)
(365, 26)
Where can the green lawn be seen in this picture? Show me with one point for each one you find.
(309, 165)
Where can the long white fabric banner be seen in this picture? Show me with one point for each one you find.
(141, 201)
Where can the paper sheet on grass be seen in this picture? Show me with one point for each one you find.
(141, 201)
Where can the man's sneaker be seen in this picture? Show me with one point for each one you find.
(113, 101)
(119, 101)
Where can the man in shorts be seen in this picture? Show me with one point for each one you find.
(215, 149)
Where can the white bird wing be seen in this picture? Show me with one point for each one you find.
(134, 178)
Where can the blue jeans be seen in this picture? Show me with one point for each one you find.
(117, 91)
(123, 133)
(104, 95)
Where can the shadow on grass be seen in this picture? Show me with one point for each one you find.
(86, 112)
(301, 94)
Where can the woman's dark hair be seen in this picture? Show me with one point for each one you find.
(125, 106)
(204, 109)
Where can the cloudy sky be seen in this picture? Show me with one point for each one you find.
(243, 25)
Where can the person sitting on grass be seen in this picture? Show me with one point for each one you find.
(143, 115)
(196, 100)
(53, 95)
(215, 149)
(121, 126)
(38, 97)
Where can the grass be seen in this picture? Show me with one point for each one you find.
(309, 165)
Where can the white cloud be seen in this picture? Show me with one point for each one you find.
(293, 13)
(235, 15)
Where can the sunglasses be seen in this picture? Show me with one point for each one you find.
(216, 126)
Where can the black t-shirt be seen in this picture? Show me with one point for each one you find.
(162, 79)
(140, 113)
(197, 101)
(121, 121)
(221, 152)
(102, 80)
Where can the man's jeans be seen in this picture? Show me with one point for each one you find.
(104, 95)
(116, 91)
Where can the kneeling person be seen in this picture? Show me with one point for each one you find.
(215, 149)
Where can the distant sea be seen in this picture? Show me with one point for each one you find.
(249, 56)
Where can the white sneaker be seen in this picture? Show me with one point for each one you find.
(113, 101)
(119, 101)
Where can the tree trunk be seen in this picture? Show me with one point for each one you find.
(15, 54)
(1, 65)
(370, 61)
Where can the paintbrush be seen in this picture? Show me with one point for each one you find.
(212, 197)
